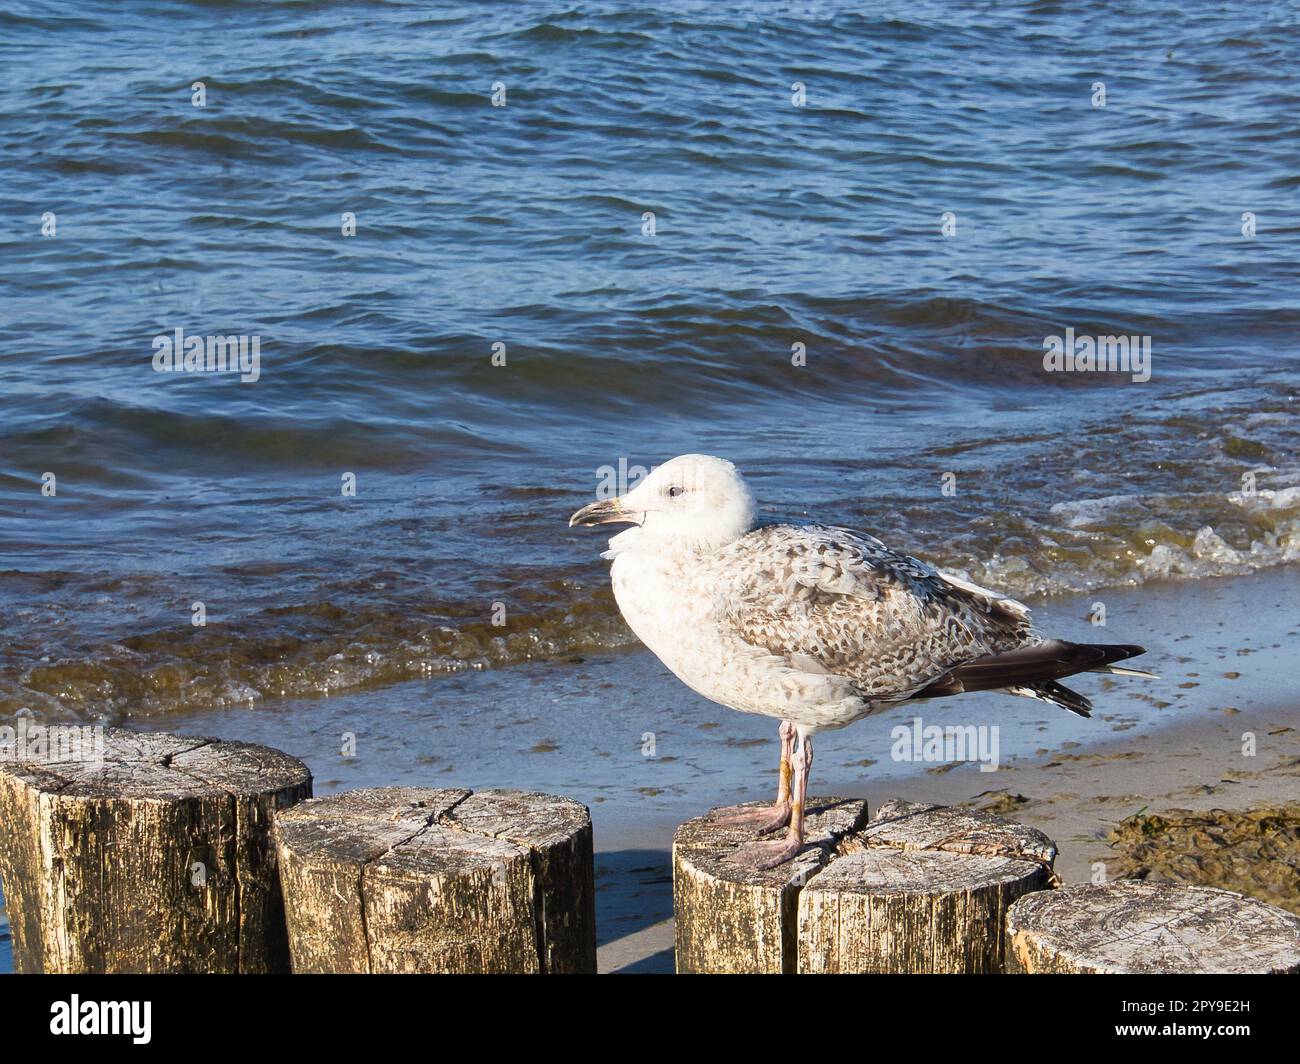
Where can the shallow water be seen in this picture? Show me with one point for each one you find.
(522, 225)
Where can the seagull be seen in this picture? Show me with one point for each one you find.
(814, 625)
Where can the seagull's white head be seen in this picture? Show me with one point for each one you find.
(695, 501)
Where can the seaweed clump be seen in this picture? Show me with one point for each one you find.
(1254, 852)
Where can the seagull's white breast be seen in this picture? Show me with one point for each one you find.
(672, 604)
(648, 589)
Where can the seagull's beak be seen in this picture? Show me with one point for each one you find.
(604, 512)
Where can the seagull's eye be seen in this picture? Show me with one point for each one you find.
(674, 491)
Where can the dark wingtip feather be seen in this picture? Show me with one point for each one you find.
(1065, 698)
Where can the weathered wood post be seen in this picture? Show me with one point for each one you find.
(408, 879)
(918, 888)
(146, 853)
(1134, 927)
(734, 919)
(921, 888)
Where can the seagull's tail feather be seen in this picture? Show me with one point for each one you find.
(1032, 671)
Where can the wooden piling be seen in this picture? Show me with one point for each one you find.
(406, 879)
(918, 888)
(1134, 927)
(734, 919)
(149, 854)
(921, 888)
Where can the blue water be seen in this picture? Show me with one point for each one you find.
(522, 225)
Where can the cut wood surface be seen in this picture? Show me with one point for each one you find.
(152, 854)
(921, 888)
(735, 919)
(1134, 927)
(406, 879)
(918, 888)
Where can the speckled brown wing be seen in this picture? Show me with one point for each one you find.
(836, 601)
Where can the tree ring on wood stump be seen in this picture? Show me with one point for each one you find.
(146, 852)
(730, 918)
(409, 879)
(1136, 927)
(921, 888)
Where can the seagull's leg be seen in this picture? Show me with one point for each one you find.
(776, 816)
(770, 854)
